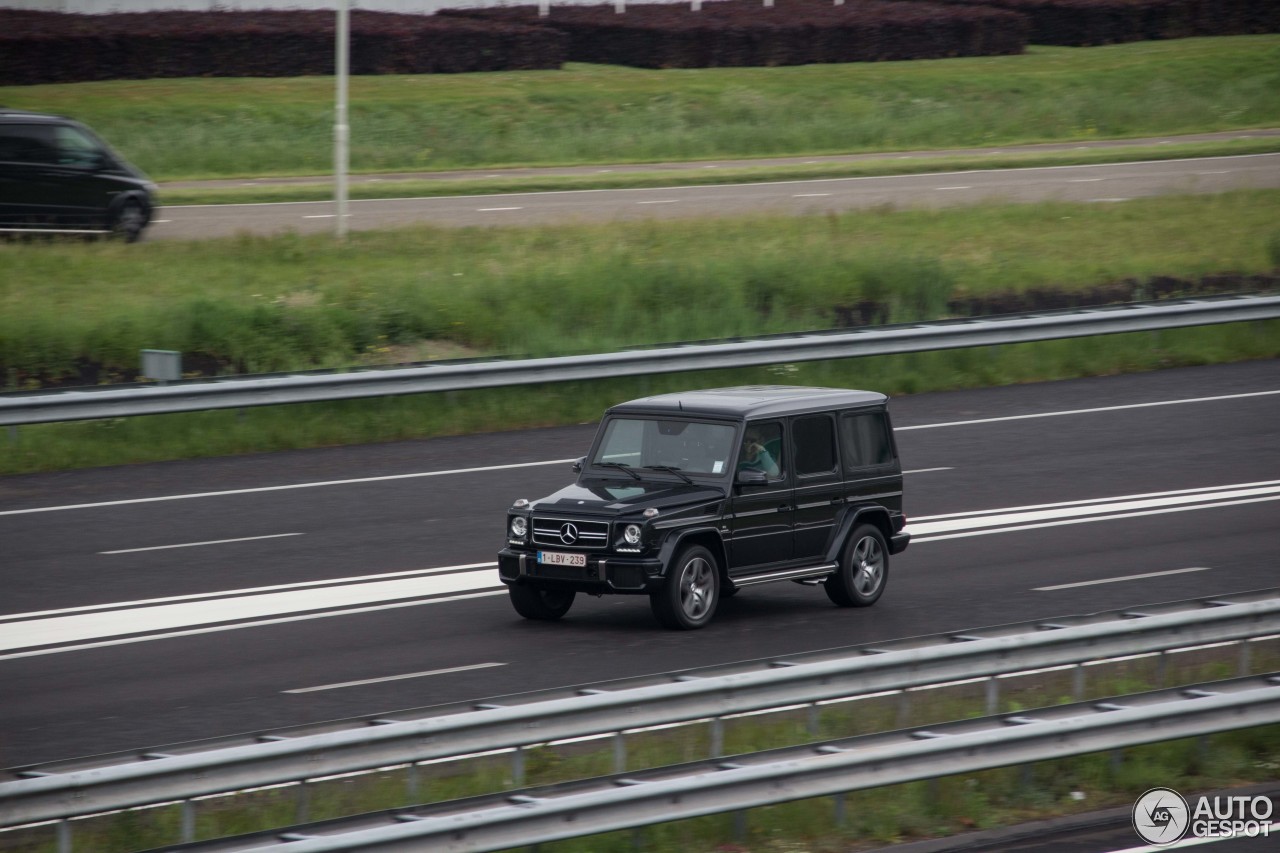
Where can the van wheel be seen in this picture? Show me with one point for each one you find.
(864, 569)
(129, 222)
(546, 605)
(691, 591)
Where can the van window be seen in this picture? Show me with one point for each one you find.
(27, 143)
(75, 148)
(866, 441)
(815, 439)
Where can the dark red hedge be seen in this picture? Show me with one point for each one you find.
(1092, 22)
(792, 32)
(49, 47)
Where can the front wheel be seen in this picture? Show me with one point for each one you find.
(129, 222)
(689, 595)
(546, 605)
(864, 569)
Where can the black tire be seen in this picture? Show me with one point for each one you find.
(691, 591)
(129, 222)
(864, 569)
(546, 605)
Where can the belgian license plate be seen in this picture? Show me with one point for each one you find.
(557, 558)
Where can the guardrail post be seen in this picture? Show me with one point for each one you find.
(993, 695)
(619, 753)
(904, 708)
(815, 720)
(717, 737)
(188, 821)
(1246, 657)
(1162, 669)
(13, 434)
(303, 807)
(517, 767)
(64, 836)
(411, 783)
(740, 826)
(1077, 683)
(839, 803)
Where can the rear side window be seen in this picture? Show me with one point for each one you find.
(866, 441)
(815, 440)
(27, 143)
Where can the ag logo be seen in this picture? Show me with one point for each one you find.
(1161, 816)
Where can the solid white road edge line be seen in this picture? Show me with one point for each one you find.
(366, 681)
(1119, 579)
(197, 544)
(257, 624)
(484, 468)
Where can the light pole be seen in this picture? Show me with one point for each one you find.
(341, 130)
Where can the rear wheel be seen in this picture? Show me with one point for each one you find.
(544, 604)
(864, 569)
(688, 598)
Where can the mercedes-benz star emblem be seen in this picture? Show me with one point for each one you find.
(568, 533)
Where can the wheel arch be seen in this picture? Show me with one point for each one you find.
(876, 515)
(707, 537)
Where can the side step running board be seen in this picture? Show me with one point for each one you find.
(814, 572)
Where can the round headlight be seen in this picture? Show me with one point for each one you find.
(519, 526)
(632, 534)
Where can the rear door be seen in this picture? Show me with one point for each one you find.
(819, 485)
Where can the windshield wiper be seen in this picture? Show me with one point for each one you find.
(621, 466)
(672, 469)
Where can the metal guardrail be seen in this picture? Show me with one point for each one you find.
(54, 796)
(577, 809)
(241, 392)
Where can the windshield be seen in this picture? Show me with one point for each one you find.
(690, 447)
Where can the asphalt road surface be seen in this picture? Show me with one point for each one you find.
(151, 604)
(1104, 183)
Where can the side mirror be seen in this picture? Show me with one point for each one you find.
(578, 463)
(751, 478)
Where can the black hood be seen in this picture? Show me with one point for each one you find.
(615, 497)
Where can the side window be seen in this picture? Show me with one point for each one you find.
(866, 441)
(76, 149)
(23, 143)
(815, 441)
(762, 449)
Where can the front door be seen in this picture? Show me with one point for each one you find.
(762, 515)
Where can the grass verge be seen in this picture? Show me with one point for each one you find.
(467, 186)
(583, 114)
(858, 820)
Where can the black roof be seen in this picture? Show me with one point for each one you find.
(753, 401)
(25, 116)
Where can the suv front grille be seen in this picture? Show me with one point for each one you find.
(570, 533)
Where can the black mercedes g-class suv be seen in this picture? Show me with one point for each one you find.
(690, 497)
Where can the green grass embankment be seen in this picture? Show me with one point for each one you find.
(285, 303)
(204, 128)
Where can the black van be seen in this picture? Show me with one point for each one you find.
(57, 176)
(690, 497)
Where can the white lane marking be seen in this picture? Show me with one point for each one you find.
(1201, 491)
(257, 489)
(927, 470)
(484, 468)
(366, 681)
(167, 617)
(953, 188)
(1090, 411)
(1142, 576)
(250, 591)
(811, 195)
(1217, 172)
(197, 544)
(1092, 518)
(660, 201)
(492, 209)
(160, 221)
(257, 624)
(1084, 180)
(1193, 842)
(1157, 163)
(1109, 200)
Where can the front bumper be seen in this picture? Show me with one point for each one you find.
(603, 573)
